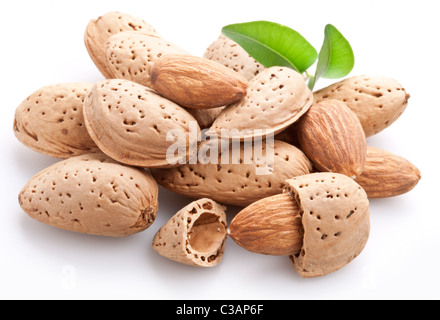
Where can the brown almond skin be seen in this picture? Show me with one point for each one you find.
(271, 226)
(195, 82)
(332, 137)
(387, 175)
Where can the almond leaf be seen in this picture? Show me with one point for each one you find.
(273, 44)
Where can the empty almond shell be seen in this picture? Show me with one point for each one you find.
(195, 236)
(335, 219)
(92, 194)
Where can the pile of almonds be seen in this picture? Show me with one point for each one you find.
(111, 137)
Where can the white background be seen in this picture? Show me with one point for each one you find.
(42, 44)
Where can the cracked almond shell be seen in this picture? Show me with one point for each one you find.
(275, 99)
(130, 123)
(377, 101)
(335, 219)
(131, 55)
(51, 121)
(242, 180)
(195, 235)
(100, 30)
(92, 194)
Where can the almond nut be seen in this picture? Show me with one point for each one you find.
(92, 194)
(387, 175)
(51, 121)
(99, 31)
(195, 235)
(271, 226)
(195, 82)
(331, 136)
(130, 122)
(377, 101)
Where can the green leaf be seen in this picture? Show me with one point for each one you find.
(273, 44)
(336, 58)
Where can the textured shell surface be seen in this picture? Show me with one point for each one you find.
(51, 121)
(232, 55)
(336, 222)
(130, 123)
(92, 194)
(131, 55)
(239, 182)
(276, 98)
(100, 30)
(194, 236)
(378, 101)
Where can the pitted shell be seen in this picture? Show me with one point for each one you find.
(335, 219)
(92, 194)
(130, 123)
(131, 55)
(100, 30)
(51, 121)
(195, 235)
(245, 178)
(276, 98)
(377, 101)
(232, 55)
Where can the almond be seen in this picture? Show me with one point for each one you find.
(336, 221)
(276, 98)
(51, 121)
(232, 55)
(92, 194)
(131, 55)
(100, 30)
(387, 175)
(205, 117)
(377, 101)
(130, 123)
(195, 235)
(195, 82)
(332, 137)
(271, 226)
(239, 181)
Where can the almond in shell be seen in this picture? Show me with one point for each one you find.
(100, 30)
(276, 98)
(233, 56)
(131, 55)
(130, 123)
(92, 194)
(240, 180)
(50, 121)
